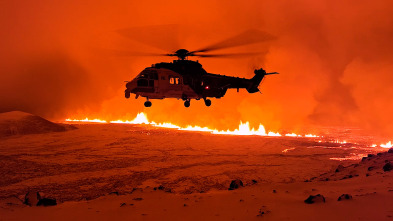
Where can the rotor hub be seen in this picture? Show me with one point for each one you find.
(182, 54)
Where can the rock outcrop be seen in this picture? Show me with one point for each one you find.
(35, 199)
(315, 199)
(387, 167)
(344, 197)
(32, 198)
(235, 184)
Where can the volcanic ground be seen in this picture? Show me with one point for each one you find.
(96, 160)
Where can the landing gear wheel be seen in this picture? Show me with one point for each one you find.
(147, 104)
(186, 103)
(127, 95)
(184, 97)
(208, 102)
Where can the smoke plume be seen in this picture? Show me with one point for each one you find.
(334, 59)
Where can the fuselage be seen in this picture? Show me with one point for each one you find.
(160, 83)
(182, 79)
(186, 80)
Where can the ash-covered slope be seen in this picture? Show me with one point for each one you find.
(373, 164)
(19, 123)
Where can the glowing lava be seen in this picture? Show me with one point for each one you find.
(244, 129)
(86, 120)
(387, 145)
(140, 118)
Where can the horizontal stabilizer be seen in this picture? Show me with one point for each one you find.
(256, 80)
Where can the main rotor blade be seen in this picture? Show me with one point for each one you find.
(232, 55)
(163, 37)
(125, 53)
(250, 36)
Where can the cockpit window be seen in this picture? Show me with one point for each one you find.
(142, 83)
(149, 74)
(142, 75)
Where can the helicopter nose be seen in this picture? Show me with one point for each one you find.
(129, 85)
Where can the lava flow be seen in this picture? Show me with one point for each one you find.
(244, 128)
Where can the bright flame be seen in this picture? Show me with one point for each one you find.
(387, 145)
(140, 118)
(166, 125)
(197, 128)
(244, 128)
(86, 120)
(289, 149)
(293, 135)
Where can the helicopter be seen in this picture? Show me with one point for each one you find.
(186, 79)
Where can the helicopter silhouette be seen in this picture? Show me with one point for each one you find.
(186, 79)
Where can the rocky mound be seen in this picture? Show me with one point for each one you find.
(371, 165)
(19, 123)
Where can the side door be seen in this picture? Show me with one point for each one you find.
(154, 81)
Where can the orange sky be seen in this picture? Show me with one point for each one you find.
(334, 59)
